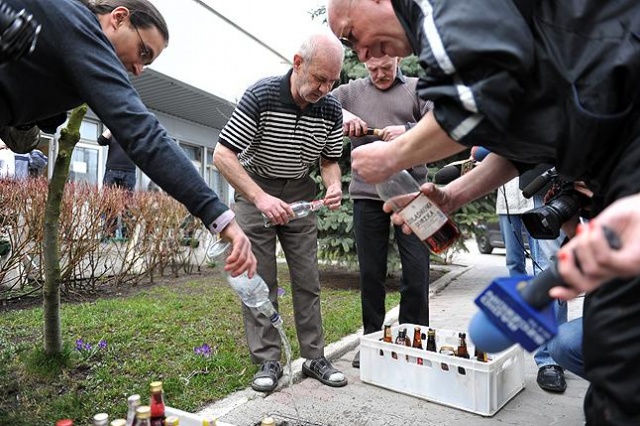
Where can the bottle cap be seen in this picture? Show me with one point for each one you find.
(64, 422)
(209, 421)
(155, 386)
(268, 421)
(172, 421)
(101, 418)
(143, 412)
(119, 422)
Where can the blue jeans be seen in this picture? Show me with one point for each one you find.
(512, 227)
(566, 347)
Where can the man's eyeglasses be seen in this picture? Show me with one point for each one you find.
(145, 54)
(348, 41)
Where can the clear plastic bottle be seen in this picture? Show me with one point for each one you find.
(253, 292)
(133, 402)
(300, 209)
(424, 218)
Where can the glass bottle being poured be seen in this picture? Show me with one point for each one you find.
(253, 292)
(300, 209)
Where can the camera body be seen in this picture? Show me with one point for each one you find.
(545, 222)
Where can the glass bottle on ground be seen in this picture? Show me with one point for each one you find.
(101, 419)
(253, 292)
(133, 402)
(424, 218)
(143, 415)
(300, 209)
(156, 404)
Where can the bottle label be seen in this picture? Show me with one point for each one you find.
(423, 216)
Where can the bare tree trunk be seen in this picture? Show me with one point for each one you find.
(51, 300)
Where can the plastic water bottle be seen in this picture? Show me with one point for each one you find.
(253, 292)
(300, 209)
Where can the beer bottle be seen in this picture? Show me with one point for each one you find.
(431, 340)
(480, 356)
(133, 402)
(402, 339)
(425, 219)
(156, 404)
(417, 342)
(143, 415)
(462, 346)
(101, 419)
(386, 337)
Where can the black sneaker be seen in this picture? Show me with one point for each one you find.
(551, 378)
(20, 140)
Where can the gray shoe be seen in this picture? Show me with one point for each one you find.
(356, 360)
(20, 141)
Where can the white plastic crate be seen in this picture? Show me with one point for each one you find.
(190, 419)
(479, 387)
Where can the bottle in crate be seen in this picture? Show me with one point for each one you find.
(417, 342)
(424, 218)
(431, 340)
(462, 352)
(156, 404)
(403, 340)
(480, 356)
(386, 337)
(118, 422)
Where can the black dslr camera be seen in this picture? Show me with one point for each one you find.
(18, 33)
(545, 222)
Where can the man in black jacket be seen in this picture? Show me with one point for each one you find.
(82, 55)
(534, 82)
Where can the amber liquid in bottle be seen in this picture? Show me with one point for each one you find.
(462, 346)
(417, 342)
(443, 237)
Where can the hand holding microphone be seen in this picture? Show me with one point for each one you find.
(513, 310)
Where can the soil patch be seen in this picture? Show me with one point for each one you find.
(331, 277)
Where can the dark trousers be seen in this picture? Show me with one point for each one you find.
(372, 243)
(299, 242)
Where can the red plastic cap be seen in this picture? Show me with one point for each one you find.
(64, 422)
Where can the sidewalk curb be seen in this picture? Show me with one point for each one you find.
(332, 352)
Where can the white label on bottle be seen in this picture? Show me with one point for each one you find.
(423, 217)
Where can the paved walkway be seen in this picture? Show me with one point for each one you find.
(451, 307)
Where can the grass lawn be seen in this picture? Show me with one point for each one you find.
(150, 333)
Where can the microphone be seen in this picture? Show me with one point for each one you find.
(539, 182)
(453, 171)
(519, 309)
